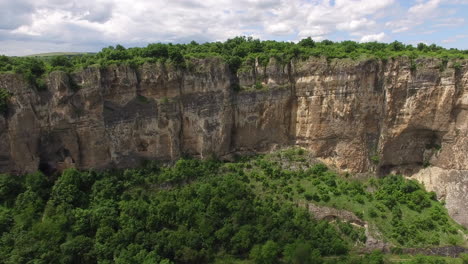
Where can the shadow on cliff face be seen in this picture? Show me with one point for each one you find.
(57, 162)
(410, 151)
(47, 168)
(53, 155)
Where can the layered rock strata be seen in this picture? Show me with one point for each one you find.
(395, 116)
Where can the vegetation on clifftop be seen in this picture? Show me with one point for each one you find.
(249, 211)
(235, 52)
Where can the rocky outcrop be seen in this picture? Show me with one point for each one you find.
(451, 186)
(360, 116)
(332, 214)
(374, 239)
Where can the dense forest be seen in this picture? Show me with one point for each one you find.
(248, 211)
(235, 52)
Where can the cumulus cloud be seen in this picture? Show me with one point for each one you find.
(356, 24)
(133, 22)
(79, 24)
(279, 29)
(426, 11)
(373, 37)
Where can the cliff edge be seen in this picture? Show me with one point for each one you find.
(395, 116)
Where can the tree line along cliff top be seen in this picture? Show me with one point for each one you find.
(235, 52)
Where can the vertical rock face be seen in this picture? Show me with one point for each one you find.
(360, 116)
(340, 106)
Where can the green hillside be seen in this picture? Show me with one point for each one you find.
(52, 54)
(248, 211)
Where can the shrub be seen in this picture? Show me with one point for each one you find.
(165, 100)
(4, 98)
(258, 85)
(60, 61)
(373, 213)
(376, 257)
(359, 215)
(325, 197)
(457, 66)
(359, 199)
(318, 169)
(464, 258)
(301, 252)
(375, 159)
(265, 254)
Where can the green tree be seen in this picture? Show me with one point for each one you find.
(60, 61)
(266, 253)
(422, 47)
(301, 252)
(78, 250)
(396, 46)
(10, 187)
(307, 42)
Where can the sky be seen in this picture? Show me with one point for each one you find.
(37, 26)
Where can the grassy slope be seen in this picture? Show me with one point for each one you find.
(299, 189)
(296, 189)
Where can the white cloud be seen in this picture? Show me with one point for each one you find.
(424, 9)
(279, 29)
(400, 29)
(141, 21)
(97, 23)
(450, 22)
(415, 16)
(454, 39)
(373, 37)
(355, 25)
(314, 31)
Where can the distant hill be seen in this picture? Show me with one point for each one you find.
(50, 54)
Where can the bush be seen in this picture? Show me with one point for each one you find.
(60, 61)
(375, 159)
(464, 258)
(258, 85)
(373, 213)
(301, 252)
(4, 98)
(318, 169)
(376, 257)
(265, 254)
(359, 214)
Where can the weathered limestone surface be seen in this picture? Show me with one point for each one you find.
(359, 116)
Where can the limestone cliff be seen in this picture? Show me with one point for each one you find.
(393, 116)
